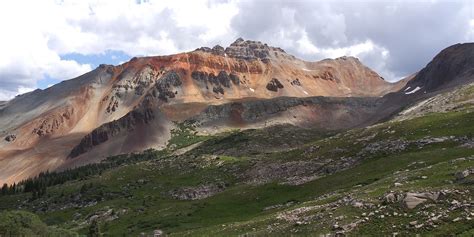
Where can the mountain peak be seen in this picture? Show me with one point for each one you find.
(451, 67)
(245, 49)
(238, 41)
(149, 94)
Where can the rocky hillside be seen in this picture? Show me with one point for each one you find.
(410, 176)
(450, 68)
(225, 142)
(133, 106)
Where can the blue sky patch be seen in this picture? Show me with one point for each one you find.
(109, 57)
(46, 82)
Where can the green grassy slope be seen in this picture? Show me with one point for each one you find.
(282, 180)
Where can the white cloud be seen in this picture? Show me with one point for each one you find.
(36, 33)
(374, 55)
(25, 56)
(305, 46)
(394, 38)
(22, 90)
(470, 34)
(7, 94)
(149, 28)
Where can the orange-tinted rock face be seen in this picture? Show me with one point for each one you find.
(204, 78)
(111, 104)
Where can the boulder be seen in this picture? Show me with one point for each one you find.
(157, 233)
(389, 198)
(462, 174)
(357, 204)
(412, 200)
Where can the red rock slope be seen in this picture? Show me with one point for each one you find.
(131, 107)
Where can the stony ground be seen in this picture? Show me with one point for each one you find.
(399, 178)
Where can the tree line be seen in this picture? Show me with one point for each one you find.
(38, 185)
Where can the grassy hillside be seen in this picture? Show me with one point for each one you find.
(22, 223)
(281, 180)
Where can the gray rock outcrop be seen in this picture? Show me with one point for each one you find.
(10, 138)
(274, 85)
(198, 192)
(412, 200)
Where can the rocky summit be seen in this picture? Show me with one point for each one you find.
(243, 140)
(134, 106)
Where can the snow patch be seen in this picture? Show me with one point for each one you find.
(408, 88)
(305, 92)
(305, 69)
(251, 89)
(413, 91)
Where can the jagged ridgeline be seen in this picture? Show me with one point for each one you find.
(243, 140)
(134, 106)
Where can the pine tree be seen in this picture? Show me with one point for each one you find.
(5, 189)
(43, 190)
(13, 191)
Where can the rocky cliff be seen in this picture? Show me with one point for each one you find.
(247, 84)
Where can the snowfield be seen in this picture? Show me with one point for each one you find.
(413, 91)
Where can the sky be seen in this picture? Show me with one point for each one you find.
(43, 42)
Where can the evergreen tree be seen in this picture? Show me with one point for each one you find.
(5, 189)
(37, 185)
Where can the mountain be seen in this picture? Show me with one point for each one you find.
(396, 162)
(450, 68)
(134, 106)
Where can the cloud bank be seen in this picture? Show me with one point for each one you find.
(394, 38)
